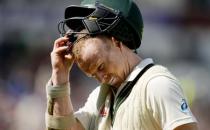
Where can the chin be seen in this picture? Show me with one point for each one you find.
(115, 82)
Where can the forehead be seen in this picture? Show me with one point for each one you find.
(91, 53)
(91, 49)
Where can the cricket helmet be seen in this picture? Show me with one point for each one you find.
(119, 18)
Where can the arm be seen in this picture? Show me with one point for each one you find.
(62, 107)
(190, 126)
(61, 66)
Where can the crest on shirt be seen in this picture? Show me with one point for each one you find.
(184, 106)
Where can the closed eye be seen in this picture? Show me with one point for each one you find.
(101, 67)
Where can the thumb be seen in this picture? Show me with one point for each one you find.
(69, 59)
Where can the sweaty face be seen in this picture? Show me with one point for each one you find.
(99, 60)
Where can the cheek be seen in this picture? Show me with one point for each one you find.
(115, 66)
(115, 72)
(118, 79)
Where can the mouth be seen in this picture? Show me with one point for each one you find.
(107, 79)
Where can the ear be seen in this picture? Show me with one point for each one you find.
(116, 42)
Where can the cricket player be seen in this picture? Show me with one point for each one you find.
(135, 93)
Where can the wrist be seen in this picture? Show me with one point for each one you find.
(57, 91)
(59, 77)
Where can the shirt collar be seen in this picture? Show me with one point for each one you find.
(138, 69)
(135, 72)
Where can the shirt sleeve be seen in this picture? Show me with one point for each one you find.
(86, 115)
(167, 102)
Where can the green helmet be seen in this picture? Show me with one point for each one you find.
(119, 18)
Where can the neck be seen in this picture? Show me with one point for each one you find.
(131, 60)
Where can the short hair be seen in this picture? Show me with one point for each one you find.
(79, 43)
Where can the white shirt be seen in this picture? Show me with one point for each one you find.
(164, 98)
(135, 72)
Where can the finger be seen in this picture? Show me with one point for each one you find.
(69, 57)
(60, 41)
(61, 49)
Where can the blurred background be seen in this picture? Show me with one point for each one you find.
(176, 35)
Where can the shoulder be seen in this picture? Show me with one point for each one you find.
(95, 92)
(164, 92)
(91, 100)
(158, 82)
(164, 86)
(167, 102)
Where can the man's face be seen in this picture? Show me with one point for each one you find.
(99, 59)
